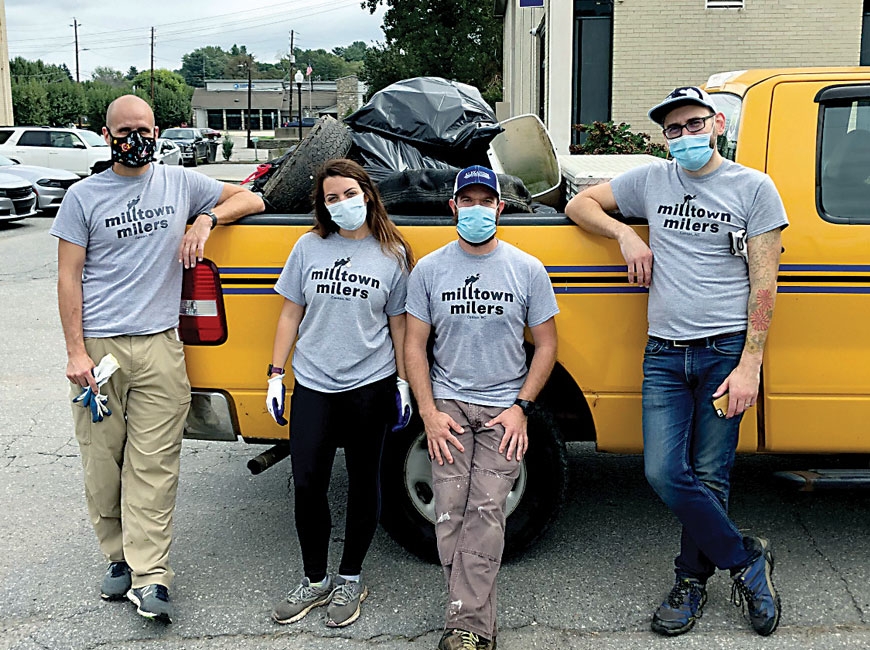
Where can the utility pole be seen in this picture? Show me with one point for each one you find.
(152, 68)
(290, 94)
(75, 27)
(250, 60)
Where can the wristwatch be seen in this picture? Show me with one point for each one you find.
(525, 405)
(273, 369)
(213, 216)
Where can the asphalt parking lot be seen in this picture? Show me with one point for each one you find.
(592, 582)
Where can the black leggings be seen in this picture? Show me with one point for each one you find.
(357, 420)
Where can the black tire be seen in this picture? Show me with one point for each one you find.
(533, 505)
(289, 188)
(193, 162)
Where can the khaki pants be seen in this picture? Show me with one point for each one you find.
(470, 497)
(131, 459)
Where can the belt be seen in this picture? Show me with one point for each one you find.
(703, 342)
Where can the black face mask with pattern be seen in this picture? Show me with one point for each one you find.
(133, 150)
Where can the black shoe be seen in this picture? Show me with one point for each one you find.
(683, 606)
(753, 586)
(152, 601)
(116, 582)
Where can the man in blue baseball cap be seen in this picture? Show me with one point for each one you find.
(478, 294)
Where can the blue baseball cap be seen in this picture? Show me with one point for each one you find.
(680, 97)
(477, 175)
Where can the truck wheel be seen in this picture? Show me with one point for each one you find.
(193, 162)
(408, 504)
(289, 187)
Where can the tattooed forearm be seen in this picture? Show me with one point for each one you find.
(764, 252)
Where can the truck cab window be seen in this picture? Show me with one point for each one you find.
(844, 161)
(730, 105)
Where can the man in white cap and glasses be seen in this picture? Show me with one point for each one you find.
(478, 294)
(711, 266)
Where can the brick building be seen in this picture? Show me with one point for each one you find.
(572, 61)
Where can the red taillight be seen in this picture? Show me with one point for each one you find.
(202, 319)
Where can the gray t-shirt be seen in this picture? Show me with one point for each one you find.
(131, 228)
(349, 288)
(479, 306)
(698, 229)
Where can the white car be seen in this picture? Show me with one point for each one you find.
(50, 185)
(17, 198)
(166, 152)
(76, 150)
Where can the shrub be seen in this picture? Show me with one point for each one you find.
(227, 147)
(610, 138)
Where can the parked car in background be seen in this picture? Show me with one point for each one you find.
(210, 134)
(167, 152)
(17, 198)
(49, 185)
(194, 147)
(76, 150)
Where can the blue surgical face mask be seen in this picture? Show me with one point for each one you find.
(691, 151)
(476, 224)
(349, 214)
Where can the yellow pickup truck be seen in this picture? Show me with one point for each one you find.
(808, 128)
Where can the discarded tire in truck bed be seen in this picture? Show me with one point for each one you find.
(289, 188)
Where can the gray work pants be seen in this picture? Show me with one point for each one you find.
(470, 496)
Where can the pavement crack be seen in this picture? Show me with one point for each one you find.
(832, 565)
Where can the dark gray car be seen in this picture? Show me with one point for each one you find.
(194, 148)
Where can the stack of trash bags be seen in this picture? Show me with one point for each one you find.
(413, 137)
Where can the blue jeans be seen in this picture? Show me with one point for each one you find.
(689, 450)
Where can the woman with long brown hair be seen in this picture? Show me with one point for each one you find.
(344, 287)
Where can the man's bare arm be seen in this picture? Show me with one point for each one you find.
(70, 262)
(589, 211)
(234, 203)
(764, 252)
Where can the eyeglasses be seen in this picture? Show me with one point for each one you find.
(694, 125)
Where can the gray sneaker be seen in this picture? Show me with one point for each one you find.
(302, 600)
(116, 582)
(344, 607)
(152, 601)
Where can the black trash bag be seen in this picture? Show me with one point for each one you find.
(381, 156)
(426, 192)
(446, 120)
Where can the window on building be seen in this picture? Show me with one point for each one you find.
(234, 120)
(724, 4)
(255, 120)
(268, 120)
(844, 155)
(215, 119)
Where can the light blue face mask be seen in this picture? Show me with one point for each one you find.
(476, 224)
(349, 214)
(691, 151)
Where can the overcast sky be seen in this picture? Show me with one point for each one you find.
(118, 34)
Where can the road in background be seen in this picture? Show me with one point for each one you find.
(592, 582)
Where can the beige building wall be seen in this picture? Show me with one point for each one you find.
(6, 117)
(658, 46)
(521, 64)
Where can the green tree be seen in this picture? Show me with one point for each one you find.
(131, 73)
(163, 78)
(356, 51)
(66, 103)
(171, 108)
(30, 103)
(20, 69)
(98, 96)
(203, 63)
(454, 39)
(109, 76)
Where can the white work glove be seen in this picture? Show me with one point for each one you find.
(275, 399)
(98, 404)
(403, 404)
